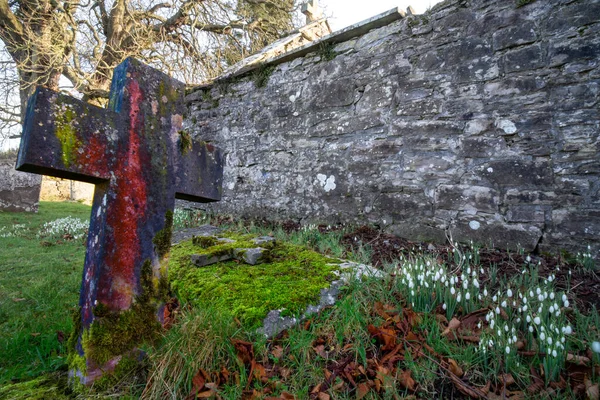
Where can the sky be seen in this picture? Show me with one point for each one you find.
(342, 13)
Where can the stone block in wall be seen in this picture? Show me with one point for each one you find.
(514, 36)
(19, 191)
(524, 59)
(571, 50)
(574, 227)
(505, 236)
(471, 199)
(517, 172)
(529, 213)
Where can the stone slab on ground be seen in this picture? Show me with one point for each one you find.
(185, 234)
(274, 323)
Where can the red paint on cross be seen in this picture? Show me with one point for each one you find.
(128, 204)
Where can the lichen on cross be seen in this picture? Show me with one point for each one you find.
(140, 160)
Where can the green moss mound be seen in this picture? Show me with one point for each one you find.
(291, 281)
(51, 386)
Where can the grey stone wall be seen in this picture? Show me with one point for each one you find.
(479, 119)
(19, 191)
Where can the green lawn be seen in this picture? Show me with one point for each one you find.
(39, 289)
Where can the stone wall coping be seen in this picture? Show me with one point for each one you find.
(343, 35)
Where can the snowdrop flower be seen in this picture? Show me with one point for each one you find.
(551, 309)
(479, 325)
(562, 340)
(541, 297)
(530, 328)
(492, 322)
(514, 338)
(528, 259)
(531, 293)
(495, 298)
(507, 350)
(497, 310)
(458, 297)
(465, 285)
(485, 292)
(542, 336)
(467, 296)
(444, 306)
(476, 283)
(567, 330)
(499, 332)
(519, 320)
(481, 271)
(503, 304)
(596, 347)
(525, 308)
(545, 295)
(549, 341)
(509, 293)
(566, 303)
(505, 328)
(524, 300)
(538, 291)
(479, 296)
(537, 320)
(564, 298)
(452, 290)
(554, 354)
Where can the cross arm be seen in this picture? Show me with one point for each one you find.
(67, 138)
(199, 171)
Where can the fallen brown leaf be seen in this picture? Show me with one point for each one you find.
(323, 396)
(277, 352)
(454, 368)
(579, 360)
(406, 380)
(453, 325)
(591, 390)
(361, 391)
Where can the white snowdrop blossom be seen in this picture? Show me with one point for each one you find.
(596, 347)
(537, 320)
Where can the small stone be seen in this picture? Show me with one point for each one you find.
(203, 260)
(251, 256)
(204, 241)
(263, 239)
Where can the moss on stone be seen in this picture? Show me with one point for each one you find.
(162, 240)
(115, 333)
(67, 136)
(185, 142)
(262, 74)
(204, 241)
(291, 281)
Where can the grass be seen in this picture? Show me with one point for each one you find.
(425, 330)
(39, 289)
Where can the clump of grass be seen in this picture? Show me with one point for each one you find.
(201, 340)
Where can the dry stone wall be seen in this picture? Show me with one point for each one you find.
(19, 191)
(479, 119)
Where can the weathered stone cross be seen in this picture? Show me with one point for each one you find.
(312, 11)
(140, 161)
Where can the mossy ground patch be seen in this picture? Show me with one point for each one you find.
(291, 281)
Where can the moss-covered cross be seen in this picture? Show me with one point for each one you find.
(140, 160)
